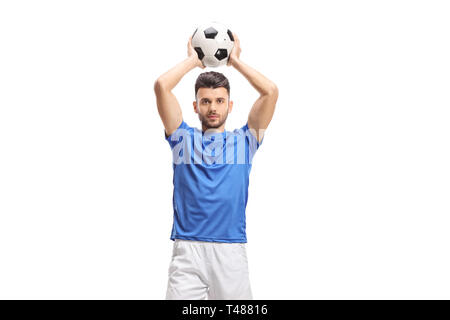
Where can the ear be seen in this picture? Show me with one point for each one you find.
(195, 106)
(230, 106)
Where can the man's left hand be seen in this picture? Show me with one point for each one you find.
(235, 52)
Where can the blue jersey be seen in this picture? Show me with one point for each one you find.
(210, 178)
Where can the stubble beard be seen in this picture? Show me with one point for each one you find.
(212, 124)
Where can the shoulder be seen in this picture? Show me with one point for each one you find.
(183, 127)
(250, 133)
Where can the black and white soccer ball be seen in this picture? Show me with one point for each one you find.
(213, 42)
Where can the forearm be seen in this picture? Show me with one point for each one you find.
(257, 80)
(171, 78)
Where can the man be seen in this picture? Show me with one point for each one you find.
(211, 177)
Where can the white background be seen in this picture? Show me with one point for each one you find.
(349, 193)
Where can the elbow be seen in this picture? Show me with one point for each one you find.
(159, 85)
(273, 89)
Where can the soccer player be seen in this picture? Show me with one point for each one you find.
(211, 170)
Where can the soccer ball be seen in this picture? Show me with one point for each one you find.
(213, 43)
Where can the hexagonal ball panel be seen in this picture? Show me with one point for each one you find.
(230, 34)
(210, 33)
(199, 52)
(221, 54)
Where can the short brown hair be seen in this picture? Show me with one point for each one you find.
(212, 79)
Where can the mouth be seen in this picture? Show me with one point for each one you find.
(213, 117)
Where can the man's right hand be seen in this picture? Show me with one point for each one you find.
(193, 54)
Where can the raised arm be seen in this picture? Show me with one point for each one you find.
(168, 107)
(262, 111)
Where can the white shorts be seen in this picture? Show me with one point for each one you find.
(201, 270)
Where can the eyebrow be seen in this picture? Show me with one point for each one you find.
(210, 100)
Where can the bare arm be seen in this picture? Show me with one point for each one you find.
(168, 107)
(262, 111)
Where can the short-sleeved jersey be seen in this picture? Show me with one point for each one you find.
(211, 178)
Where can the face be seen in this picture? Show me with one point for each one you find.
(212, 107)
